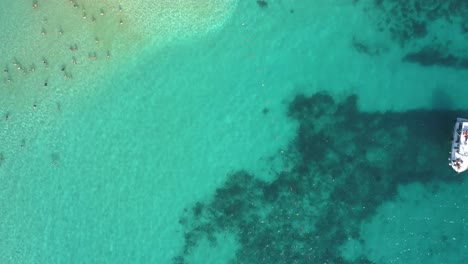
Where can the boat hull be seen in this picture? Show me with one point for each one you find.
(459, 154)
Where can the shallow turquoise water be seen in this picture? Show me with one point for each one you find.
(114, 176)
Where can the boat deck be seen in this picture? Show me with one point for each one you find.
(459, 153)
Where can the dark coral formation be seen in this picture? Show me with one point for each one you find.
(429, 56)
(392, 21)
(408, 19)
(408, 22)
(342, 164)
(262, 3)
(365, 48)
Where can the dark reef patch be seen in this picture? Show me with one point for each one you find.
(430, 56)
(360, 46)
(407, 20)
(422, 23)
(342, 165)
(368, 49)
(262, 3)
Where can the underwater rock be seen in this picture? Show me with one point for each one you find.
(365, 48)
(431, 56)
(262, 3)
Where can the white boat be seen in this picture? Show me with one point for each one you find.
(459, 154)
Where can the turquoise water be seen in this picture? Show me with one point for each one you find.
(293, 132)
